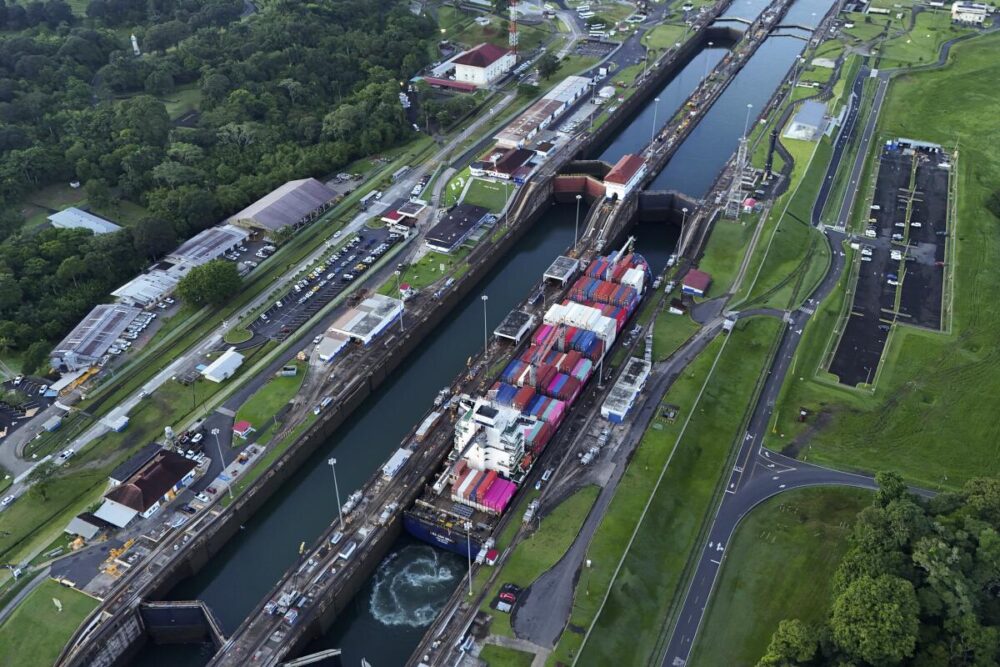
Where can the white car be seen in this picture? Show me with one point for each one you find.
(8, 500)
(66, 454)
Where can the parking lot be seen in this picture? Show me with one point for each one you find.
(31, 394)
(329, 277)
(901, 274)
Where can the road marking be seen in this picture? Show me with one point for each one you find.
(716, 562)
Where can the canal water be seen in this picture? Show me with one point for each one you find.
(387, 618)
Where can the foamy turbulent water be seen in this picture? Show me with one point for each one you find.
(412, 585)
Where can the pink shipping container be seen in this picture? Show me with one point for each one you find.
(499, 495)
(541, 333)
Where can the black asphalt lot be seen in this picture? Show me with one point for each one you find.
(921, 275)
(293, 313)
(12, 417)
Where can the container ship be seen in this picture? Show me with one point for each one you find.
(499, 436)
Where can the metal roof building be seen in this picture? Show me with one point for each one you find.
(223, 367)
(210, 244)
(455, 227)
(92, 337)
(76, 218)
(294, 203)
(368, 319)
(146, 288)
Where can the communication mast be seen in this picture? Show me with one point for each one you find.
(513, 26)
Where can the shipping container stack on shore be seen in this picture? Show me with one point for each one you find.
(499, 436)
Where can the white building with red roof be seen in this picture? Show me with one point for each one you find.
(624, 176)
(484, 64)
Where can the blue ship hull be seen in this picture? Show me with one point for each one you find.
(441, 537)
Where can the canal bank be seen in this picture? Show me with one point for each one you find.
(240, 574)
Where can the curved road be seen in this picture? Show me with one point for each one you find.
(760, 473)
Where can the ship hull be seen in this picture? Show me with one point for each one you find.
(441, 537)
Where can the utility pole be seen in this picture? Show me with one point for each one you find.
(652, 131)
(576, 230)
(336, 490)
(486, 341)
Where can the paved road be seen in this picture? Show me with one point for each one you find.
(843, 140)
(760, 473)
(854, 183)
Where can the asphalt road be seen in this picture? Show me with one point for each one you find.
(760, 473)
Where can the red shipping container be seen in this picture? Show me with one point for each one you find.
(523, 397)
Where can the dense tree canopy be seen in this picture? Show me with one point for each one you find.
(918, 586)
(296, 89)
(211, 283)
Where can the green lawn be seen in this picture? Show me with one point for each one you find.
(778, 565)
(182, 100)
(927, 418)
(272, 397)
(542, 549)
(862, 31)
(791, 255)
(498, 656)
(488, 194)
(923, 43)
(664, 36)
(37, 630)
(725, 249)
(670, 332)
(427, 270)
(628, 630)
(453, 189)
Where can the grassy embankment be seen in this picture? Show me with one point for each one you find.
(778, 565)
(262, 408)
(541, 550)
(498, 656)
(690, 454)
(924, 418)
(36, 631)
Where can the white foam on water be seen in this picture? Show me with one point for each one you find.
(411, 586)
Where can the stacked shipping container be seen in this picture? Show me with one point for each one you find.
(546, 379)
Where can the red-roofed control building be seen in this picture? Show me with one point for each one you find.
(624, 176)
(696, 282)
(484, 64)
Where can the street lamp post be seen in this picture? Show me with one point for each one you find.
(746, 123)
(222, 461)
(652, 131)
(576, 230)
(486, 341)
(402, 301)
(468, 551)
(336, 490)
(705, 75)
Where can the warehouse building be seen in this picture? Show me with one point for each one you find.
(455, 227)
(540, 114)
(146, 288)
(484, 64)
(224, 367)
(76, 218)
(970, 13)
(294, 204)
(153, 485)
(368, 319)
(91, 338)
(207, 245)
(624, 177)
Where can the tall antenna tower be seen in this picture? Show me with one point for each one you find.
(513, 26)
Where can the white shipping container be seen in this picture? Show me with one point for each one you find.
(635, 278)
(395, 463)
